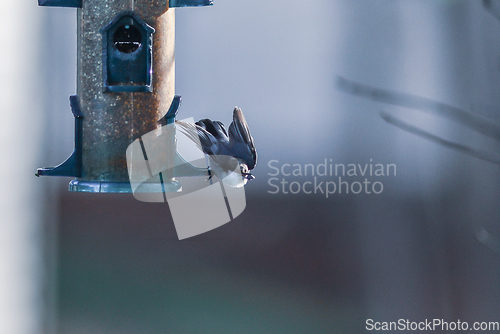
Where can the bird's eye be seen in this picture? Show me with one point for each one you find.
(244, 169)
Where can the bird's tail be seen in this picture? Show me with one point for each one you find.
(191, 131)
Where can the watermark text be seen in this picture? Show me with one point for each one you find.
(430, 325)
(328, 178)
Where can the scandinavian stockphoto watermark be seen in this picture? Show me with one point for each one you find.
(328, 178)
(164, 165)
(430, 325)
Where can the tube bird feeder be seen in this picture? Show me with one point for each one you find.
(125, 85)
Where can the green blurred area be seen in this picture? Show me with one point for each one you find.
(122, 270)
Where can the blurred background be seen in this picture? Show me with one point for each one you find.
(427, 247)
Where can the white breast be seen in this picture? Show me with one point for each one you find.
(234, 180)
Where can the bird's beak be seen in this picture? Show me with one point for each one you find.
(248, 176)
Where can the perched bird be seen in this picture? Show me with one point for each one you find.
(230, 150)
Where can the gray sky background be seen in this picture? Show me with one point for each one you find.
(278, 61)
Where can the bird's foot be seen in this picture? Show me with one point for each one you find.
(210, 175)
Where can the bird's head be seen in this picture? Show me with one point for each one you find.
(245, 173)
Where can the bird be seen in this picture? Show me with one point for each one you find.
(232, 151)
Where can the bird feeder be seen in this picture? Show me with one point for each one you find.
(125, 85)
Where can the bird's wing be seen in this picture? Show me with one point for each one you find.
(240, 140)
(205, 141)
(215, 128)
(201, 137)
